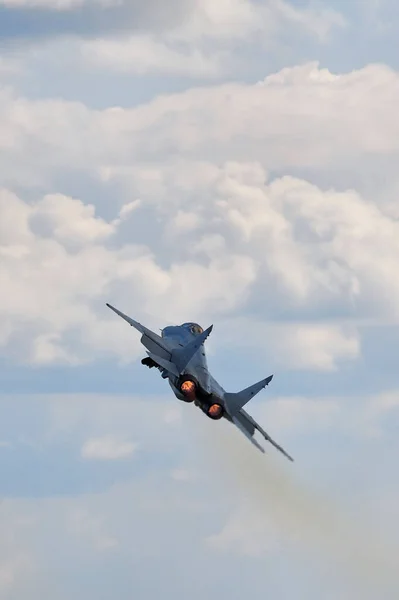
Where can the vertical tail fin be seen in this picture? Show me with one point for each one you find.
(236, 401)
(182, 356)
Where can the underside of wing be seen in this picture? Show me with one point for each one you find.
(164, 364)
(151, 340)
(174, 360)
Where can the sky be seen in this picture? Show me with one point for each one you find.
(230, 163)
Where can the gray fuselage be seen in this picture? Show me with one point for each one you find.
(179, 336)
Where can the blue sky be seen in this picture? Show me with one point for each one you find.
(232, 163)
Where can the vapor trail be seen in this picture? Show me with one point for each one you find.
(368, 562)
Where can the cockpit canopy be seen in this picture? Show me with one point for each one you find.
(194, 328)
(172, 330)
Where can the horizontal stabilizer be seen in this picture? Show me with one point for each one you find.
(235, 401)
(182, 356)
(272, 442)
(248, 434)
(249, 423)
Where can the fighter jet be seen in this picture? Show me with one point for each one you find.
(179, 354)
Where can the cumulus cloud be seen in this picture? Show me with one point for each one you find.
(281, 246)
(170, 489)
(315, 346)
(189, 21)
(172, 508)
(208, 205)
(210, 218)
(203, 44)
(107, 448)
(69, 220)
(52, 4)
(64, 271)
(143, 54)
(288, 121)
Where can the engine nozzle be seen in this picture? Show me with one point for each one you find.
(215, 411)
(188, 389)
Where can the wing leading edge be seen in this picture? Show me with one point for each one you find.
(174, 360)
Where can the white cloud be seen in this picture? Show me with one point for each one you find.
(293, 119)
(315, 346)
(142, 54)
(202, 45)
(182, 209)
(107, 448)
(126, 211)
(202, 521)
(314, 250)
(358, 418)
(186, 221)
(296, 416)
(297, 345)
(70, 221)
(58, 5)
(52, 278)
(198, 221)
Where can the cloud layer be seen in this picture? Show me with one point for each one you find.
(242, 239)
(263, 200)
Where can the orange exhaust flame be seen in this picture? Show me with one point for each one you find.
(215, 411)
(188, 389)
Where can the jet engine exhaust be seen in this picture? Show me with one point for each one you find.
(215, 411)
(188, 389)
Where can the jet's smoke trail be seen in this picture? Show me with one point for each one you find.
(368, 563)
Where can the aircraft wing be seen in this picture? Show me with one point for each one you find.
(131, 322)
(174, 360)
(151, 340)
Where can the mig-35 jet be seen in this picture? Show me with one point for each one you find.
(179, 354)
